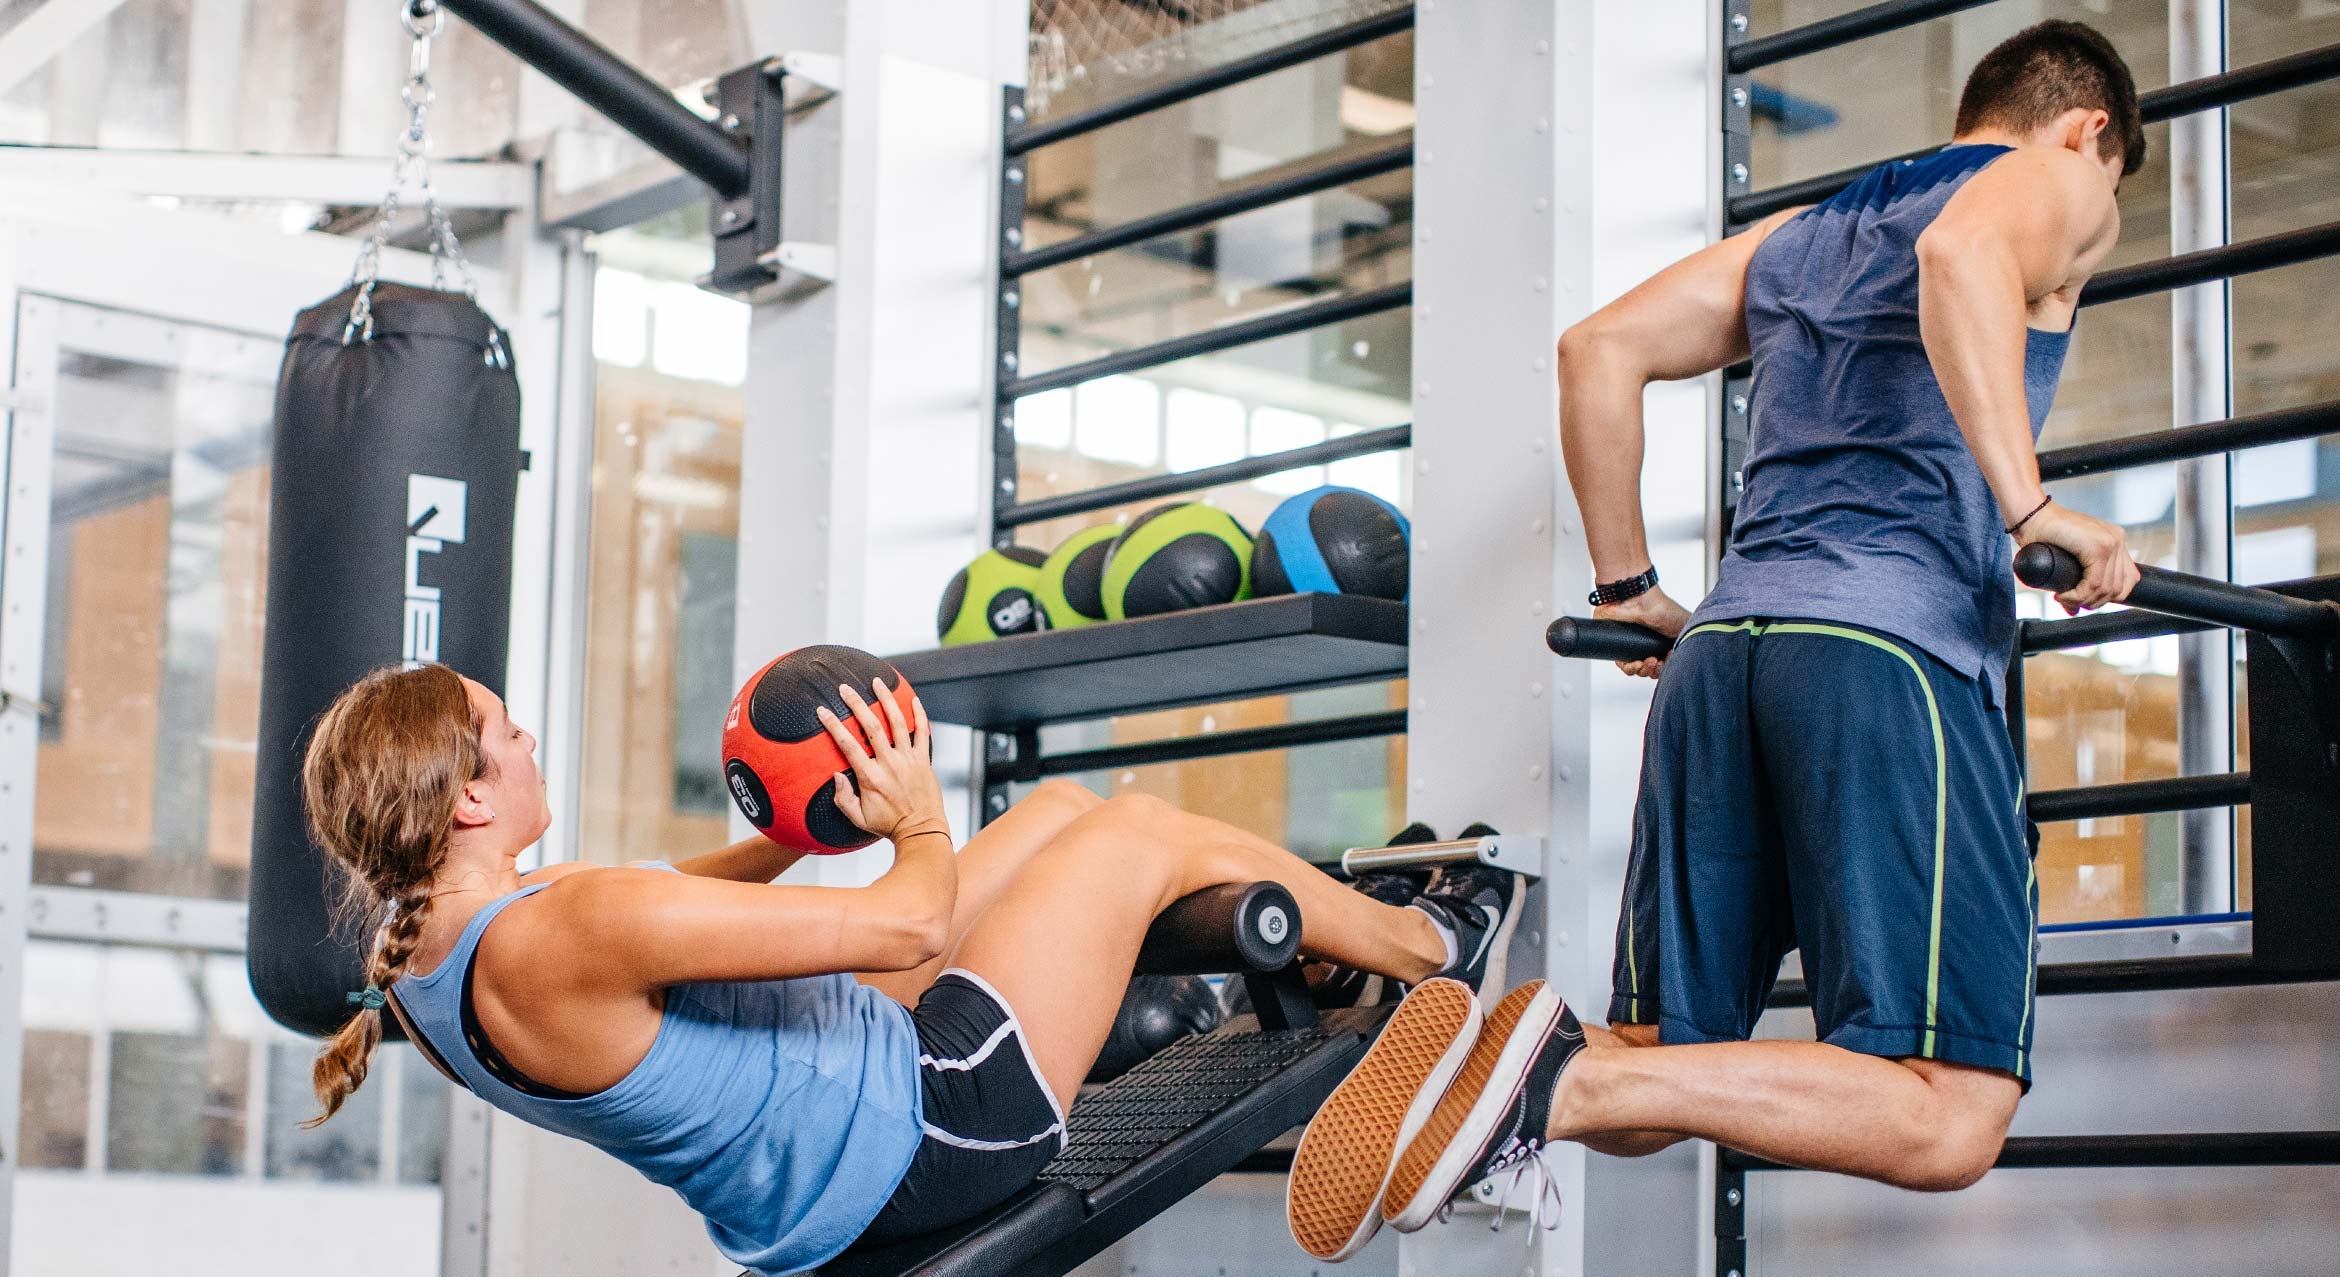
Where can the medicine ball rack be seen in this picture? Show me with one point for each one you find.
(1262, 647)
(1009, 688)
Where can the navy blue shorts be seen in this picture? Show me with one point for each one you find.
(1825, 787)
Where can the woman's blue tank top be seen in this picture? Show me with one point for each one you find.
(784, 1111)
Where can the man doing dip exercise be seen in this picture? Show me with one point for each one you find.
(1826, 765)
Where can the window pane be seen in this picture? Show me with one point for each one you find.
(424, 1098)
(1189, 151)
(1342, 378)
(276, 76)
(2104, 715)
(176, 1103)
(1898, 92)
(1084, 52)
(664, 547)
(53, 1130)
(157, 584)
(1301, 250)
(347, 1148)
(1317, 800)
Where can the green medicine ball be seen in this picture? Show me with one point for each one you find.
(1072, 581)
(996, 595)
(1176, 557)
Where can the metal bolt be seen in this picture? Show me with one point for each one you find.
(1012, 298)
(1739, 26)
(1732, 1197)
(1007, 485)
(1739, 174)
(1015, 175)
(1014, 236)
(1015, 115)
(1008, 361)
(1732, 1273)
(1738, 403)
(731, 124)
(1739, 97)
(731, 217)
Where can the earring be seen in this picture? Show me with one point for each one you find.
(491, 813)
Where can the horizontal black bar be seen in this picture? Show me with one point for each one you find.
(2162, 104)
(1756, 205)
(2197, 598)
(1363, 443)
(2308, 421)
(611, 85)
(1282, 323)
(2105, 627)
(2242, 84)
(2126, 975)
(2138, 797)
(1308, 49)
(1267, 1161)
(1242, 199)
(1593, 640)
(1247, 740)
(2032, 1152)
(2265, 253)
(1828, 33)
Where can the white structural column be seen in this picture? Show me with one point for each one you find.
(2199, 349)
(863, 465)
(1565, 149)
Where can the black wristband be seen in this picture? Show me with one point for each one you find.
(1631, 587)
(2017, 526)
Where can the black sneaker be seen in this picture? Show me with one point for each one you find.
(1331, 985)
(1494, 1117)
(1480, 905)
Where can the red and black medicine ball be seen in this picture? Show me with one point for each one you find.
(779, 762)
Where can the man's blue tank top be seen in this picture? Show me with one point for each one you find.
(1863, 503)
(784, 1111)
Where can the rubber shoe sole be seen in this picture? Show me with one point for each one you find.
(1342, 1167)
(1433, 1166)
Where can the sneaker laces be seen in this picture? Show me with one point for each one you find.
(1522, 1161)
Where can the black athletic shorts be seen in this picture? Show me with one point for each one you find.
(991, 1121)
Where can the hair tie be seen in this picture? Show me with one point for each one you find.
(370, 998)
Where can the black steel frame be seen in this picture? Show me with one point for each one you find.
(1017, 756)
(2205, 600)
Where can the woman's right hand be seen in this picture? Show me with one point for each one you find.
(899, 794)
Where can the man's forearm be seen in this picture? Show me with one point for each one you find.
(1972, 316)
(1601, 440)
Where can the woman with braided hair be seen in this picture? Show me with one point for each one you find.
(804, 1065)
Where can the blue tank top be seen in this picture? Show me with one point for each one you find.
(784, 1111)
(1863, 503)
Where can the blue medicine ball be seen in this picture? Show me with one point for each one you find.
(1333, 540)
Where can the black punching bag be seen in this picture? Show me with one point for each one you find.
(397, 463)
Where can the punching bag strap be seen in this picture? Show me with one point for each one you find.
(422, 19)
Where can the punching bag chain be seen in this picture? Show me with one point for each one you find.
(422, 19)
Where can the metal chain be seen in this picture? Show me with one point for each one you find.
(422, 19)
